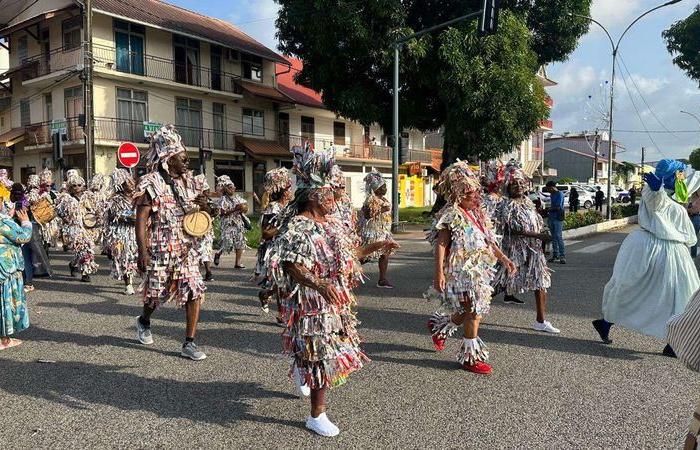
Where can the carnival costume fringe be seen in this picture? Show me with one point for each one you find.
(472, 351)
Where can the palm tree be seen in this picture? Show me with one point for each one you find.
(624, 170)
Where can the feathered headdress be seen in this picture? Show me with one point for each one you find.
(277, 180)
(313, 167)
(456, 181)
(165, 143)
(373, 181)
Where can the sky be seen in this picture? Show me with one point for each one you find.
(657, 88)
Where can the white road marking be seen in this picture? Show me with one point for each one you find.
(572, 242)
(597, 248)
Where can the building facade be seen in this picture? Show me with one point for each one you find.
(562, 151)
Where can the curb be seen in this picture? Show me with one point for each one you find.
(598, 228)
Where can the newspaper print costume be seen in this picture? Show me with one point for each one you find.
(276, 181)
(320, 336)
(94, 202)
(375, 219)
(51, 231)
(173, 273)
(494, 175)
(207, 248)
(344, 213)
(232, 222)
(120, 229)
(469, 260)
(76, 237)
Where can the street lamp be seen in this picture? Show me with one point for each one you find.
(692, 115)
(615, 47)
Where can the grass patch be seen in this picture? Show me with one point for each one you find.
(252, 236)
(416, 215)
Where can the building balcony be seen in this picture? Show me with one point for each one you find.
(547, 124)
(549, 101)
(144, 67)
(39, 134)
(41, 70)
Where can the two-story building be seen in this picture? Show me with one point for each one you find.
(574, 156)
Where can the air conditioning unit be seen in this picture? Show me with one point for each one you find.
(233, 55)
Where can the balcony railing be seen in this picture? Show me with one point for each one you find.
(549, 101)
(547, 124)
(40, 133)
(137, 63)
(62, 58)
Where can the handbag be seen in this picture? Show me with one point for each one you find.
(683, 334)
(43, 211)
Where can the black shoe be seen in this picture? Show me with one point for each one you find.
(562, 261)
(217, 258)
(85, 278)
(668, 351)
(208, 277)
(512, 299)
(602, 326)
(71, 267)
(553, 259)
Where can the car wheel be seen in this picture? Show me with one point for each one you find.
(588, 204)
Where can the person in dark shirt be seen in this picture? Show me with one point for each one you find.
(573, 200)
(599, 197)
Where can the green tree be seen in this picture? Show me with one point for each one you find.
(694, 159)
(683, 41)
(483, 91)
(624, 170)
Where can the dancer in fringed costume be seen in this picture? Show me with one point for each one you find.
(207, 249)
(492, 181)
(344, 212)
(120, 229)
(77, 238)
(521, 228)
(94, 203)
(233, 223)
(654, 276)
(5, 184)
(465, 255)
(169, 256)
(51, 231)
(375, 222)
(278, 189)
(316, 266)
(34, 252)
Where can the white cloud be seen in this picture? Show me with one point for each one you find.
(257, 19)
(615, 12)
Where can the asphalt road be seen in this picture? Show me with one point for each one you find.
(568, 391)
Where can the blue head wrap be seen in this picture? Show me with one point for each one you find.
(666, 170)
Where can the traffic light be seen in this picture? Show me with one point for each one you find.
(488, 22)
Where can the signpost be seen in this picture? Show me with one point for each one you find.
(129, 155)
(150, 128)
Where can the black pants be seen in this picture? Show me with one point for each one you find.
(573, 208)
(599, 206)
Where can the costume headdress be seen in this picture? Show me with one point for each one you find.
(33, 181)
(373, 181)
(4, 179)
(679, 178)
(97, 183)
(223, 181)
(118, 178)
(165, 143)
(277, 180)
(73, 178)
(313, 167)
(513, 171)
(494, 175)
(456, 181)
(46, 176)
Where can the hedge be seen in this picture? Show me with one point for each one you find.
(591, 217)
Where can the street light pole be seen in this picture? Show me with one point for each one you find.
(615, 47)
(692, 115)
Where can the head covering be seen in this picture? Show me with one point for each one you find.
(513, 171)
(277, 180)
(118, 178)
(97, 183)
(33, 181)
(223, 181)
(73, 178)
(373, 181)
(337, 177)
(666, 170)
(4, 179)
(46, 176)
(494, 174)
(456, 181)
(165, 143)
(313, 167)
(202, 183)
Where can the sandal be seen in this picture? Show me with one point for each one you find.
(12, 343)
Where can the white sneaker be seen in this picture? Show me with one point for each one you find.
(322, 426)
(143, 334)
(129, 290)
(545, 326)
(304, 390)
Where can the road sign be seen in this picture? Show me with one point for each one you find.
(129, 155)
(150, 128)
(59, 126)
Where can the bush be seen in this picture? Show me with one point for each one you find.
(578, 220)
(622, 211)
(253, 236)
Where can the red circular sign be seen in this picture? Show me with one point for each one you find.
(128, 155)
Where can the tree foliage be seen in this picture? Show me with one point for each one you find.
(694, 159)
(624, 170)
(483, 91)
(683, 41)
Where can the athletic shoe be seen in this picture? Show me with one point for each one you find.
(545, 326)
(129, 290)
(602, 326)
(190, 350)
(239, 267)
(72, 269)
(562, 261)
(28, 288)
(208, 277)
(512, 299)
(303, 389)
(85, 278)
(264, 302)
(479, 368)
(438, 339)
(143, 334)
(384, 285)
(322, 426)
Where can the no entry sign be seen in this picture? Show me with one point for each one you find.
(129, 155)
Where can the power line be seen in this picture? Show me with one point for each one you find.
(657, 131)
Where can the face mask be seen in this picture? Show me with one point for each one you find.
(681, 189)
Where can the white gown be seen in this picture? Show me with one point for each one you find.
(654, 276)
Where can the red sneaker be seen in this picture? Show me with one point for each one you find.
(480, 368)
(438, 339)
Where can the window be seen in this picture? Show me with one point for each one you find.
(252, 68)
(48, 108)
(307, 129)
(132, 111)
(73, 101)
(186, 60)
(22, 49)
(188, 119)
(24, 112)
(71, 32)
(216, 66)
(253, 122)
(283, 129)
(219, 118)
(129, 41)
(339, 133)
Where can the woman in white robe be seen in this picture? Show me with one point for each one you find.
(654, 276)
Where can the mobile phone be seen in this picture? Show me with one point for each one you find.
(18, 205)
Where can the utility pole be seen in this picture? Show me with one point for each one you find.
(88, 90)
(596, 143)
(643, 149)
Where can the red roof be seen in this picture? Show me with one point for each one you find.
(300, 94)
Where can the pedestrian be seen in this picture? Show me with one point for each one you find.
(375, 223)
(207, 243)
(94, 203)
(694, 215)
(344, 212)
(465, 255)
(633, 196)
(50, 231)
(573, 200)
(14, 315)
(316, 265)
(36, 248)
(599, 198)
(555, 220)
(654, 276)
(234, 222)
(521, 229)
(70, 209)
(278, 189)
(492, 182)
(120, 229)
(167, 254)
